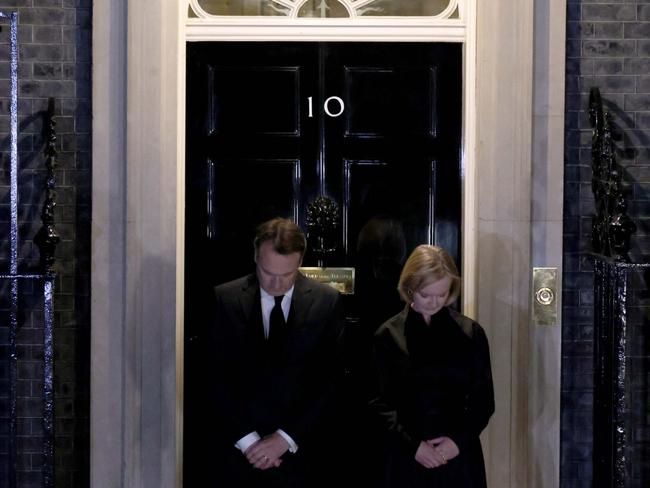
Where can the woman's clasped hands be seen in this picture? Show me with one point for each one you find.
(436, 452)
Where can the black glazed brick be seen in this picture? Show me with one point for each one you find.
(48, 70)
(608, 30)
(47, 16)
(636, 30)
(643, 12)
(608, 66)
(635, 102)
(609, 12)
(602, 48)
(47, 34)
(634, 66)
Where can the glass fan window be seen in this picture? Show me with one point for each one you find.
(441, 9)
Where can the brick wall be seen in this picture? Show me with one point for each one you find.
(608, 45)
(55, 47)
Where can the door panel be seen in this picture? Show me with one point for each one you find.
(256, 100)
(235, 206)
(387, 190)
(260, 144)
(381, 105)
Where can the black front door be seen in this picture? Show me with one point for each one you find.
(374, 127)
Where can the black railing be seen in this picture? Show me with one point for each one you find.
(621, 324)
(46, 239)
(612, 228)
(621, 374)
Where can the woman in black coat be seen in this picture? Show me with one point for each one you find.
(434, 382)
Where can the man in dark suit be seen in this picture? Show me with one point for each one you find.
(276, 342)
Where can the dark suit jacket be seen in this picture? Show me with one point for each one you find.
(292, 390)
(433, 381)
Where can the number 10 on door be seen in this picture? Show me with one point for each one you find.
(327, 106)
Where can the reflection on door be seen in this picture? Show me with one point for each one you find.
(374, 127)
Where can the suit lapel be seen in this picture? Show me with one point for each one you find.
(249, 290)
(249, 301)
(301, 302)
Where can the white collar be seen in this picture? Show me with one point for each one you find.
(267, 296)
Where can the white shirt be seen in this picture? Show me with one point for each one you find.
(268, 302)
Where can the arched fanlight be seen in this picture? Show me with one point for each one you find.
(324, 9)
(434, 9)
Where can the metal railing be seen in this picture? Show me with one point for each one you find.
(47, 239)
(620, 321)
(612, 228)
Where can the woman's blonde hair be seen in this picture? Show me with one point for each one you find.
(426, 265)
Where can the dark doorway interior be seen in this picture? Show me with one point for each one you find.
(375, 127)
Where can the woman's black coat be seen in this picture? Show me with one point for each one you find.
(432, 380)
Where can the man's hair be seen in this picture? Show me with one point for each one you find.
(286, 236)
(426, 265)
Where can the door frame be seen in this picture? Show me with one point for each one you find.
(137, 233)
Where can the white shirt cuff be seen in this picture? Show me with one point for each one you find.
(247, 441)
(293, 447)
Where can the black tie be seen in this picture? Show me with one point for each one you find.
(276, 322)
